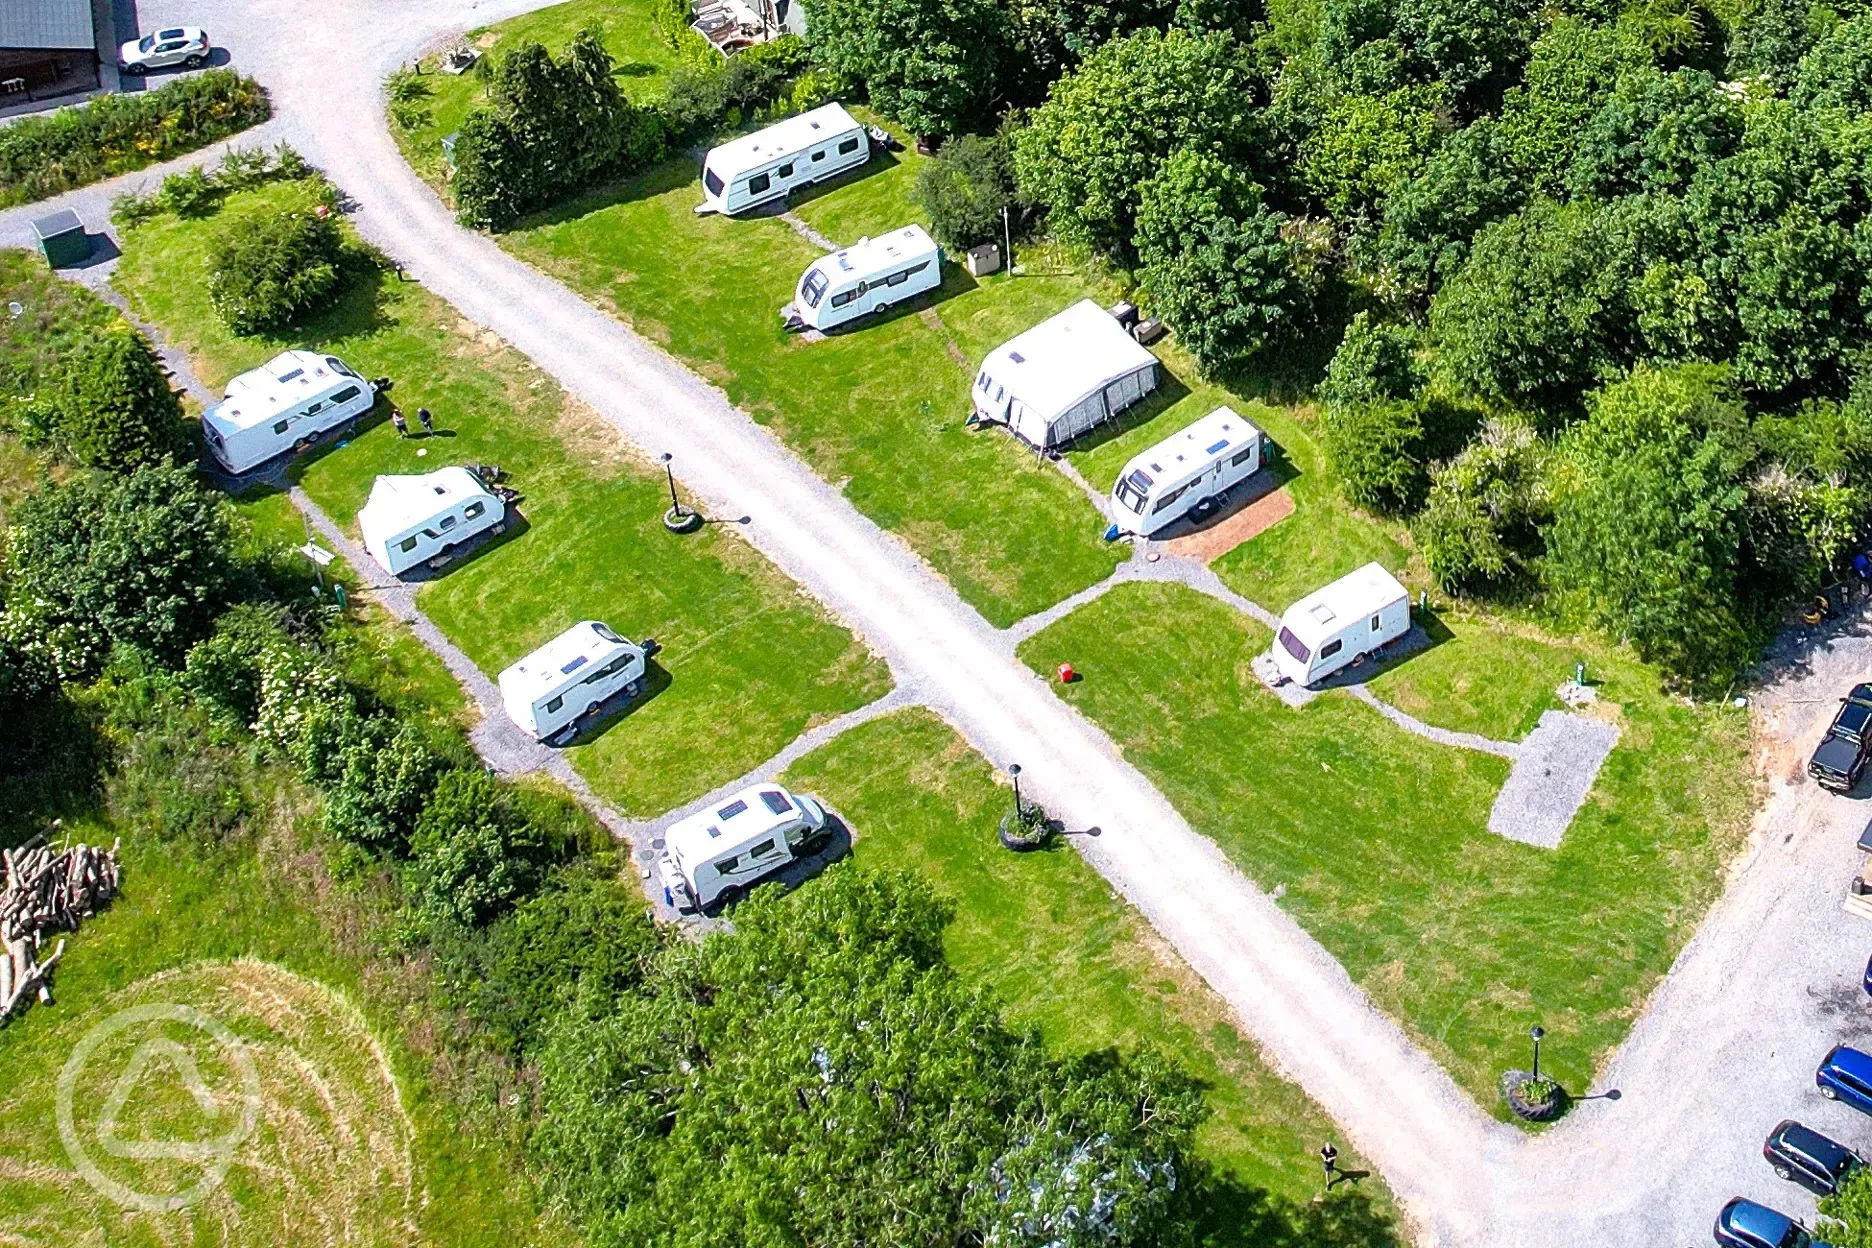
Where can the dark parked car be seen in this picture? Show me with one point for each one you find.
(1802, 1155)
(1745, 1224)
(1845, 1074)
(1868, 977)
(1841, 758)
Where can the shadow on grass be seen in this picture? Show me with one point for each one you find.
(804, 870)
(614, 710)
(479, 547)
(956, 282)
(881, 162)
(658, 179)
(51, 764)
(1235, 1215)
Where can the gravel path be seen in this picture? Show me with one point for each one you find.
(1728, 1044)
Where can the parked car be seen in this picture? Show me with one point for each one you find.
(1802, 1155)
(179, 45)
(1845, 1074)
(1841, 758)
(1867, 981)
(1745, 1224)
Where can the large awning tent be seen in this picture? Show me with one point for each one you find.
(1062, 377)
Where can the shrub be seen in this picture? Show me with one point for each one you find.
(143, 559)
(383, 772)
(475, 853)
(1375, 361)
(273, 267)
(305, 711)
(190, 193)
(964, 190)
(114, 134)
(1480, 526)
(114, 406)
(1377, 451)
(223, 669)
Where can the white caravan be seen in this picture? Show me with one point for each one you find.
(1347, 620)
(717, 854)
(765, 165)
(286, 402)
(411, 519)
(866, 277)
(1062, 377)
(568, 676)
(1185, 470)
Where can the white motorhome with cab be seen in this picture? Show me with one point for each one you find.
(716, 855)
(1185, 470)
(568, 676)
(866, 277)
(411, 519)
(283, 405)
(755, 168)
(1337, 625)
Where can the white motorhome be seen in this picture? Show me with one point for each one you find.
(716, 855)
(866, 277)
(568, 676)
(1185, 470)
(787, 155)
(1341, 623)
(282, 405)
(412, 519)
(1064, 376)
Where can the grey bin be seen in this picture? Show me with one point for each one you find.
(63, 240)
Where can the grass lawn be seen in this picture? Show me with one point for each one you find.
(1379, 841)
(1483, 675)
(640, 55)
(1068, 957)
(735, 632)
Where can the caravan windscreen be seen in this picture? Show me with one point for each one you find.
(712, 181)
(1295, 646)
(1132, 489)
(814, 288)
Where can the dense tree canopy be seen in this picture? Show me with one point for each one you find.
(114, 406)
(928, 63)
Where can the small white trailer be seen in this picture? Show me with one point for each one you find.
(1064, 376)
(867, 277)
(1341, 623)
(576, 671)
(282, 405)
(1185, 470)
(755, 168)
(412, 519)
(714, 856)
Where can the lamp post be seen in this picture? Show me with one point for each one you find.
(669, 472)
(1014, 774)
(1535, 1033)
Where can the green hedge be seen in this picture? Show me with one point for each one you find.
(41, 156)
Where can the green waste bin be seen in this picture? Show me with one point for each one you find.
(62, 238)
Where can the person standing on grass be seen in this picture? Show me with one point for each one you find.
(1329, 1161)
(428, 421)
(396, 418)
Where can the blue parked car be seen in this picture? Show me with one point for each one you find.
(1845, 1074)
(1745, 1224)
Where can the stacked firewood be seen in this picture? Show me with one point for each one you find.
(45, 891)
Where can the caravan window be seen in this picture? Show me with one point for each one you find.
(776, 801)
(315, 408)
(786, 170)
(1132, 489)
(843, 297)
(1331, 648)
(473, 510)
(1294, 646)
(554, 705)
(814, 289)
(898, 279)
(339, 366)
(1171, 497)
(407, 544)
(711, 181)
(762, 850)
(279, 426)
(758, 183)
(1242, 457)
(448, 522)
(848, 147)
(728, 864)
(819, 155)
(346, 395)
(1374, 624)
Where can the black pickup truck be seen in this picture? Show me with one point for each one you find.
(1837, 764)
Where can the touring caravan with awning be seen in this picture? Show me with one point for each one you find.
(1064, 376)
(569, 675)
(284, 404)
(1185, 470)
(1340, 624)
(756, 168)
(411, 519)
(866, 277)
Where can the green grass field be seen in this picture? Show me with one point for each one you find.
(1378, 839)
(1070, 958)
(735, 632)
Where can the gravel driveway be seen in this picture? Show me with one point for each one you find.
(1728, 1045)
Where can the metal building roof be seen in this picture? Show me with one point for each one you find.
(46, 24)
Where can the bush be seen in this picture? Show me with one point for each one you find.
(114, 406)
(190, 193)
(1375, 361)
(273, 267)
(1377, 451)
(382, 774)
(305, 711)
(1480, 527)
(143, 559)
(224, 669)
(475, 853)
(114, 134)
(964, 190)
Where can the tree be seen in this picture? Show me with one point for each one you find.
(383, 774)
(1108, 126)
(928, 63)
(1654, 133)
(1846, 1215)
(474, 853)
(964, 190)
(1428, 220)
(1213, 262)
(1649, 520)
(1377, 452)
(143, 559)
(1480, 527)
(1571, 73)
(1375, 361)
(272, 267)
(1837, 72)
(114, 406)
(1368, 144)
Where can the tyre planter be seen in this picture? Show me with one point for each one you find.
(682, 520)
(1530, 1109)
(1023, 837)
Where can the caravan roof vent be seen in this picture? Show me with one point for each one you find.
(1322, 613)
(713, 830)
(732, 809)
(1017, 357)
(1217, 447)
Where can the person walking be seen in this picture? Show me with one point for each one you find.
(428, 421)
(396, 418)
(1329, 1161)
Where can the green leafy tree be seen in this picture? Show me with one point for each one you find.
(928, 63)
(1107, 127)
(1376, 360)
(382, 775)
(1429, 219)
(475, 853)
(1377, 453)
(115, 408)
(1650, 517)
(1480, 528)
(1212, 259)
(1846, 1215)
(1654, 133)
(1837, 72)
(1574, 66)
(271, 268)
(143, 559)
(1368, 144)
(964, 190)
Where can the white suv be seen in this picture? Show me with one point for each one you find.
(179, 45)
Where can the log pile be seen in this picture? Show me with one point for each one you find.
(45, 891)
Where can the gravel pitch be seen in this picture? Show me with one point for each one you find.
(1554, 769)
